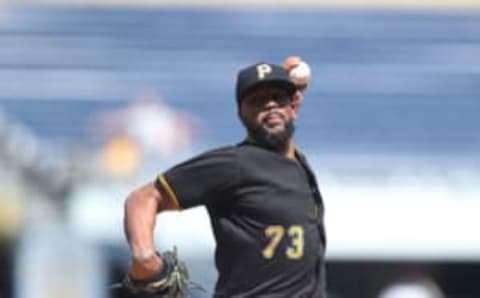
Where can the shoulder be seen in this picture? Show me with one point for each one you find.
(225, 153)
(221, 159)
(228, 149)
(231, 161)
(300, 155)
(235, 152)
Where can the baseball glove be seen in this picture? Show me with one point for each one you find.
(171, 282)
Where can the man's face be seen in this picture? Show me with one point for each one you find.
(268, 113)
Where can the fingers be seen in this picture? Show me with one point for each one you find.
(290, 62)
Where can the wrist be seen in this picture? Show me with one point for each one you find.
(145, 265)
(143, 254)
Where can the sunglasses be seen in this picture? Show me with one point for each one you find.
(260, 99)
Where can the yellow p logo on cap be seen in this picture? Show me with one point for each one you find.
(263, 69)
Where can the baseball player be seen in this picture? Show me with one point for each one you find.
(262, 197)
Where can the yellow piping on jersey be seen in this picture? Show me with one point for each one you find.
(168, 190)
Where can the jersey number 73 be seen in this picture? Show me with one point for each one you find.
(275, 233)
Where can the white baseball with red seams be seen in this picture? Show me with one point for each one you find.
(301, 73)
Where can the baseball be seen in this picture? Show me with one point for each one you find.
(301, 73)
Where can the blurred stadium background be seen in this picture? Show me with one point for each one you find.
(97, 97)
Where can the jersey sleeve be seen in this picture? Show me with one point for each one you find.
(200, 180)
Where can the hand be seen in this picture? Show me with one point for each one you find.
(290, 64)
(169, 278)
(299, 72)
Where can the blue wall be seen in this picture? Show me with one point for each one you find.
(386, 81)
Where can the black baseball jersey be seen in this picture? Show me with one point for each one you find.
(267, 217)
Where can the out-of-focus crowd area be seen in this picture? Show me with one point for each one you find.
(96, 100)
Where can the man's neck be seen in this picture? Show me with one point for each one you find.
(289, 151)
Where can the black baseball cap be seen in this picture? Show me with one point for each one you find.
(263, 73)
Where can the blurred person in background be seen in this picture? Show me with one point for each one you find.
(146, 130)
(262, 197)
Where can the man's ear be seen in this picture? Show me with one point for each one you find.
(239, 111)
(295, 105)
(298, 97)
(297, 101)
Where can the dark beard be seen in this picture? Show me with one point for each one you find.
(277, 142)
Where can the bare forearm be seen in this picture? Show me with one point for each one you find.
(140, 217)
(141, 209)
